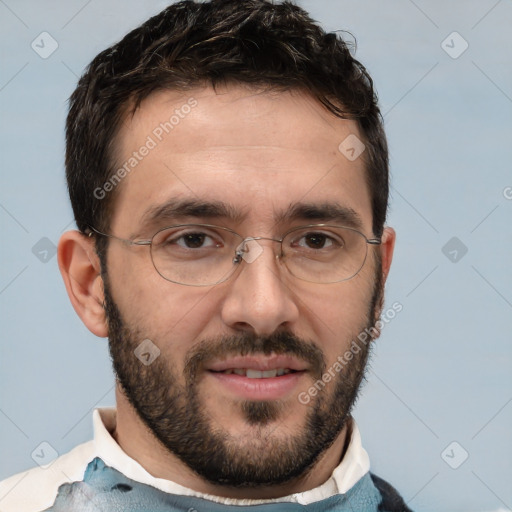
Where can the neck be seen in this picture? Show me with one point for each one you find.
(139, 443)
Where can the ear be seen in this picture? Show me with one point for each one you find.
(80, 268)
(386, 251)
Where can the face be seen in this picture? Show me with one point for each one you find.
(260, 164)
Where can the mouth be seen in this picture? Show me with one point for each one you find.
(258, 365)
(258, 377)
(257, 374)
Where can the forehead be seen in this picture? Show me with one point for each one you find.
(257, 153)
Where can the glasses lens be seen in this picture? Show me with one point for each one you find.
(194, 254)
(324, 254)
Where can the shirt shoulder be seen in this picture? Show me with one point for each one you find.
(391, 499)
(35, 490)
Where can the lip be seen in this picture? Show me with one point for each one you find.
(271, 388)
(260, 363)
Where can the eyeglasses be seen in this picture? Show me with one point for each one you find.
(206, 255)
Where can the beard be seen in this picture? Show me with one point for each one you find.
(176, 416)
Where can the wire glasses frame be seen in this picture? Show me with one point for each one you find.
(340, 260)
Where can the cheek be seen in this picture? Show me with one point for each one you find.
(338, 313)
(167, 313)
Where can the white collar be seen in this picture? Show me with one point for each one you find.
(352, 468)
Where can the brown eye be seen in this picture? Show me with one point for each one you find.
(193, 240)
(316, 241)
(190, 240)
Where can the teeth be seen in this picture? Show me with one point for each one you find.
(257, 374)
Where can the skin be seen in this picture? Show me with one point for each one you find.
(259, 152)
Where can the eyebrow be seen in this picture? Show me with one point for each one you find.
(179, 209)
(324, 212)
(175, 209)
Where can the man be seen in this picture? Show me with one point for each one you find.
(228, 172)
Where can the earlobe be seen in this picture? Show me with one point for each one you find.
(80, 268)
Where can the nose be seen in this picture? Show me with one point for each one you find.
(258, 297)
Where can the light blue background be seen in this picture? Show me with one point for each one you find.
(441, 371)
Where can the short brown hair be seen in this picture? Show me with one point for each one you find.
(192, 44)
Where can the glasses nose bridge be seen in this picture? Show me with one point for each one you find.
(243, 247)
(256, 238)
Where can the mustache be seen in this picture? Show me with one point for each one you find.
(281, 343)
